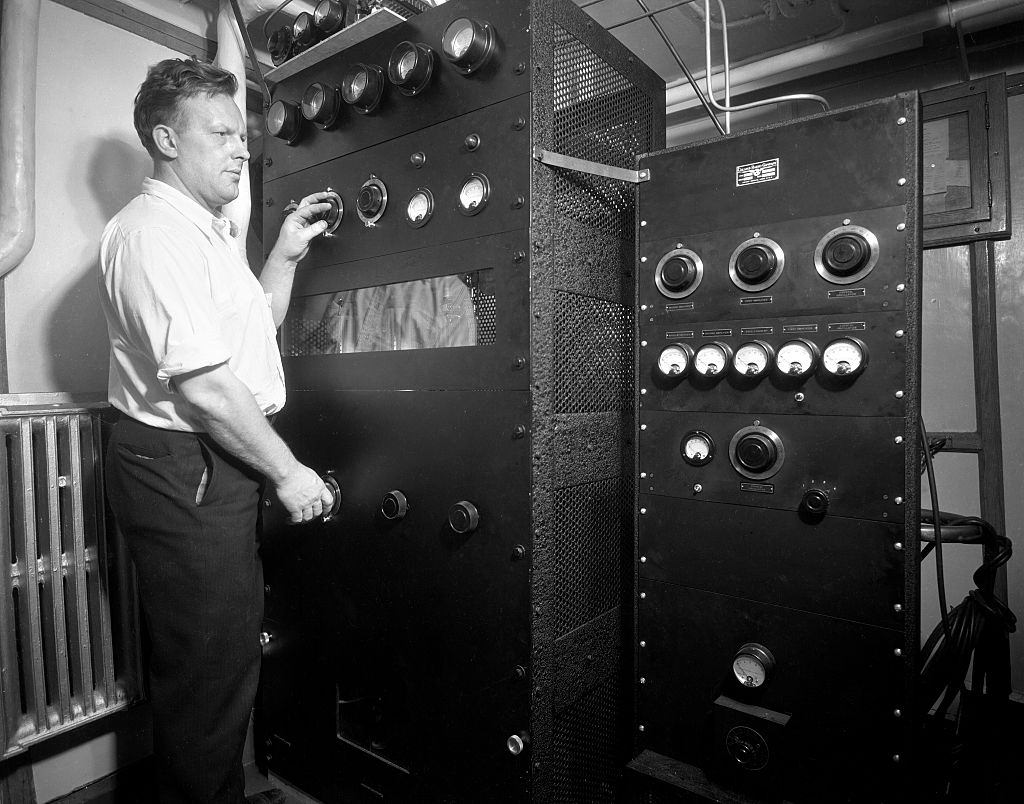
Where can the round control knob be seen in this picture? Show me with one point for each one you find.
(755, 264)
(845, 254)
(815, 502)
(284, 121)
(280, 45)
(679, 273)
(756, 452)
(747, 748)
(463, 517)
(334, 487)
(394, 506)
(333, 215)
(370, 200)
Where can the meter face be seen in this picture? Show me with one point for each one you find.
(796, 358)
(474, 194)
(844, 357)
(420, 208)
(752, 359)
(749, 671)
(461, 41)
(674, 360)
(697, 448)
(406, 63)
(710, 360)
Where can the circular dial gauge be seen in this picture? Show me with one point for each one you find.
(468, 44)
(797, 358)
(405, 64)
(752, 665)
(420, 208)
(320, 104)
(283, 121)
(461, 40)
(697, 448)
(712, 359)
(844, 357)
(753, 359)
(675, 360)
(476, 189)
(303, 29)
(329, 16)
(363, 87)
(410, 67)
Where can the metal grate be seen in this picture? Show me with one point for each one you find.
(587, 759)
(593, 355)
(601, 116)
(589, 531)
(57, 635)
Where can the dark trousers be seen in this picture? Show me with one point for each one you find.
(201, 584)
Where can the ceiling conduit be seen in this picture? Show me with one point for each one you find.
(19, 43)
(680, 95)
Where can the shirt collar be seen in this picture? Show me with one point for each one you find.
(211, 223)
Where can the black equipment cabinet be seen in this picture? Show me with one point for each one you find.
(459, 356)
(778, 456)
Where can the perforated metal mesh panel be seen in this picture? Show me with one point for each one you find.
(585, 747)
(593, 358)
(588, 553)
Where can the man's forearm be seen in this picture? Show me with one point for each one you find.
(277, 277)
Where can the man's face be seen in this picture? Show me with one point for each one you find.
(211, 149)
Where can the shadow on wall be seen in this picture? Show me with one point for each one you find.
(78, 346)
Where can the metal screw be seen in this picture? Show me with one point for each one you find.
(901, 182)
(519, 69)
(519, 671)
(268, 162)
(518, 203)
(643, 343)
(643, 426)
(519, 431)
(846, 221)
(643, 474)
(641, 727)
(895, 757)
(519, 256)
(518, 553)
(643, 223)
(266, 589)
(643, 391)
(643, 643)
(643, 680)
(897, 608)
(643, 510)
(518, 364)
(798, 396)
(265, 638)
(900, 227)
(643, 306)
(901, 121)
(643, 559)
(269, 202)
(898, 652)
(897, 713)
(519, 124)
(900, 333)
(898, 545)
(643, 259)
(697, 488)
(899, 395)
(898, 501)
(643, 595)
(266, 503)
(900, 287)
(898, 439)
(62, 481)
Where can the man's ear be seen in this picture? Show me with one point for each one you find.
(166, 141)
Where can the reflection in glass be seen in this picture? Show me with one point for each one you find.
(436, 313)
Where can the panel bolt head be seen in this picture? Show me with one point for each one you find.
(268, 162)
(898, 501)
(643, 559)
(266, 503)
(899, 395)
(643, 306)
(643, 223)
(798, 396)
(897, 713)
(898, 652)
(643, 426)
(643, 173)
(519, 68)
(643, 391)
(643, 343)
(643, 643)
(900, 227)
(643, 596)
(900, 333)
(901, 182)
(643, 474)
(518, 553)
(519, 431)
(898, 607)
(641, 727)
(269, 202)
(643, 680)
(898, 439)
(643, 259)
(895, 757)
(519, 256)
(697, 488)
(519, 671)
(900, 287)
(846, 221)
(643, 510)
(898, 545)
(519, 124)
(901, 121)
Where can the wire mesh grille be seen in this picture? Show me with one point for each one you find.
(599, 115)
(590, 527)
(586, 751)
(592, 354)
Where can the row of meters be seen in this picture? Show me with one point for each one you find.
(842, 359)
(372, 202)
(842, 256)
(467, 44)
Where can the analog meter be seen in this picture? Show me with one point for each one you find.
(420, 208)
(675, 360)
(753, 359)
(329, 16)
(844, 357)
(283, 121)
(697, 448)
(362, 87)
(797, 358)
(321, 104)
(753, 665)
(468, 44)
(410, 67)
(475, 192)
(712, 359)
(304, 31)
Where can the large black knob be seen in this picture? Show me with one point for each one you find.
(335, 488)
(463, 517)
(678, 274)
(756, 452)
(370, 200)
(280, 44)
(814, 503)
(846, 254)
(394, 506)
(755, 264)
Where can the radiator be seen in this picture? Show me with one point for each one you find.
(68, 610)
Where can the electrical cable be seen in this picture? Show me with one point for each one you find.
(934, 494)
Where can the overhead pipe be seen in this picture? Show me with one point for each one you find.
(19, 45)
(680, 94)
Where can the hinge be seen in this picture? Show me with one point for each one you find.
(593, 168)
(990, 194)
(986, 112)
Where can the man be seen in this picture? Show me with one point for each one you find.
(195, 371)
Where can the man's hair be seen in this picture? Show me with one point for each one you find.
(168, 84)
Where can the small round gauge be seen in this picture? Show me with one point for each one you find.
(320, 104)
(844, 357)
(753, 359)
(283, 121)
(476, 189)
(712, 359)
(279, 45)
(675, 360)
(410, 67)
(797, 358)
(468, 44)
(420, 208)
(362, 87)
(697, 448)
(303, 30)
(329, 16)
(753, 665)
(679, 272)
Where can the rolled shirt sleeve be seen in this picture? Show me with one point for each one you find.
(153, 279)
